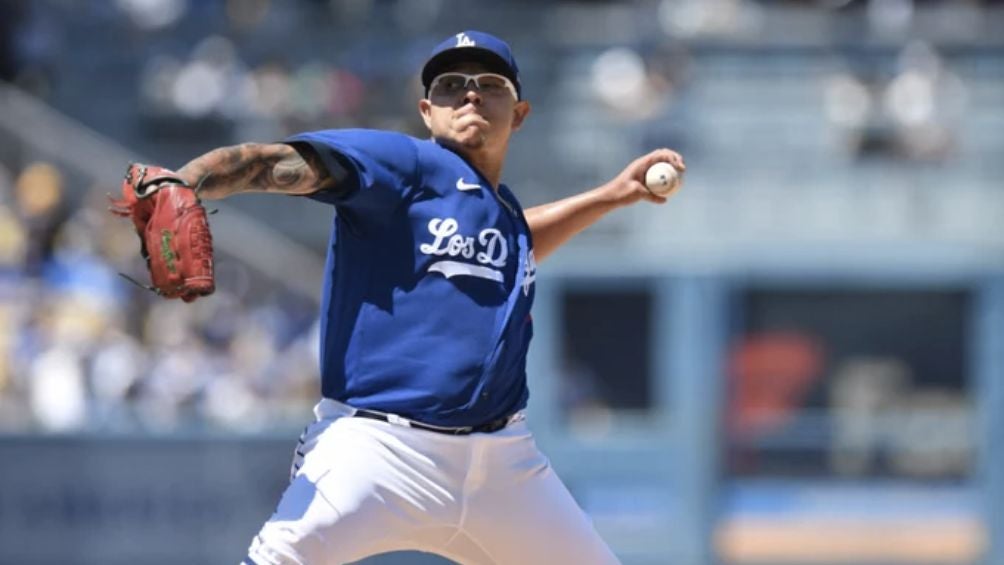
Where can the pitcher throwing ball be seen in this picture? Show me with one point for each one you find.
(420, 440)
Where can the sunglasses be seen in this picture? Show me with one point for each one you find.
(453, 84)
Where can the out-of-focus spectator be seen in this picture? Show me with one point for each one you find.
(914, 113)
(36, 41)
(9, 324)
(770, 375)
(39, 204)
(13, 240)
(621, 81)
(269, 84)
(117, 367)
(926, 101)
(150, 15)
(699, 18)
(56, 381)
(635, 86)
(265, 101)
(82, 349)
(881, 419)
(861, 391)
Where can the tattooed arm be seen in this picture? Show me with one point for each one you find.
(258, 167)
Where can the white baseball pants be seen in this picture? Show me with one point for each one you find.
(362, 487)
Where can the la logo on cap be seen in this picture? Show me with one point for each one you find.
(464, 41)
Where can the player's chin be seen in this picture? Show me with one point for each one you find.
(472, 138)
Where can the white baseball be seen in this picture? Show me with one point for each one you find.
(663, 179)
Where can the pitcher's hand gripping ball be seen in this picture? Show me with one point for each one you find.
(173, 231)
(662, 179)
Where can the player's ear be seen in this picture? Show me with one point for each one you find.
(425, 108)
(519, 113)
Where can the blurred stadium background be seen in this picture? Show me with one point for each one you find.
(799, 360)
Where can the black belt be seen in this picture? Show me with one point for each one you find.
(487, 428)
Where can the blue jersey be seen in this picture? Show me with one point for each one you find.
(429, 282)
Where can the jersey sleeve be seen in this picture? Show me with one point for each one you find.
(383, 167)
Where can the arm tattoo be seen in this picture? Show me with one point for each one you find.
(254, 167)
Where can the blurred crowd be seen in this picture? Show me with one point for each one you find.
(911, 111)
(269, 100)
(226, 70)
(81, 349)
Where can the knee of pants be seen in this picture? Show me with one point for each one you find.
(273, 546)
(286, 544)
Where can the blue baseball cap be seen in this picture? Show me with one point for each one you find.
(472, 46)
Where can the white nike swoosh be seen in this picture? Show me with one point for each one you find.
(461, 185)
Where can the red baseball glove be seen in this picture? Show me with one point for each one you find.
(173, 231)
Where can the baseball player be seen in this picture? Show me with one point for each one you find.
(420, 440)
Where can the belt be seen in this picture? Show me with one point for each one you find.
(486, 428)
